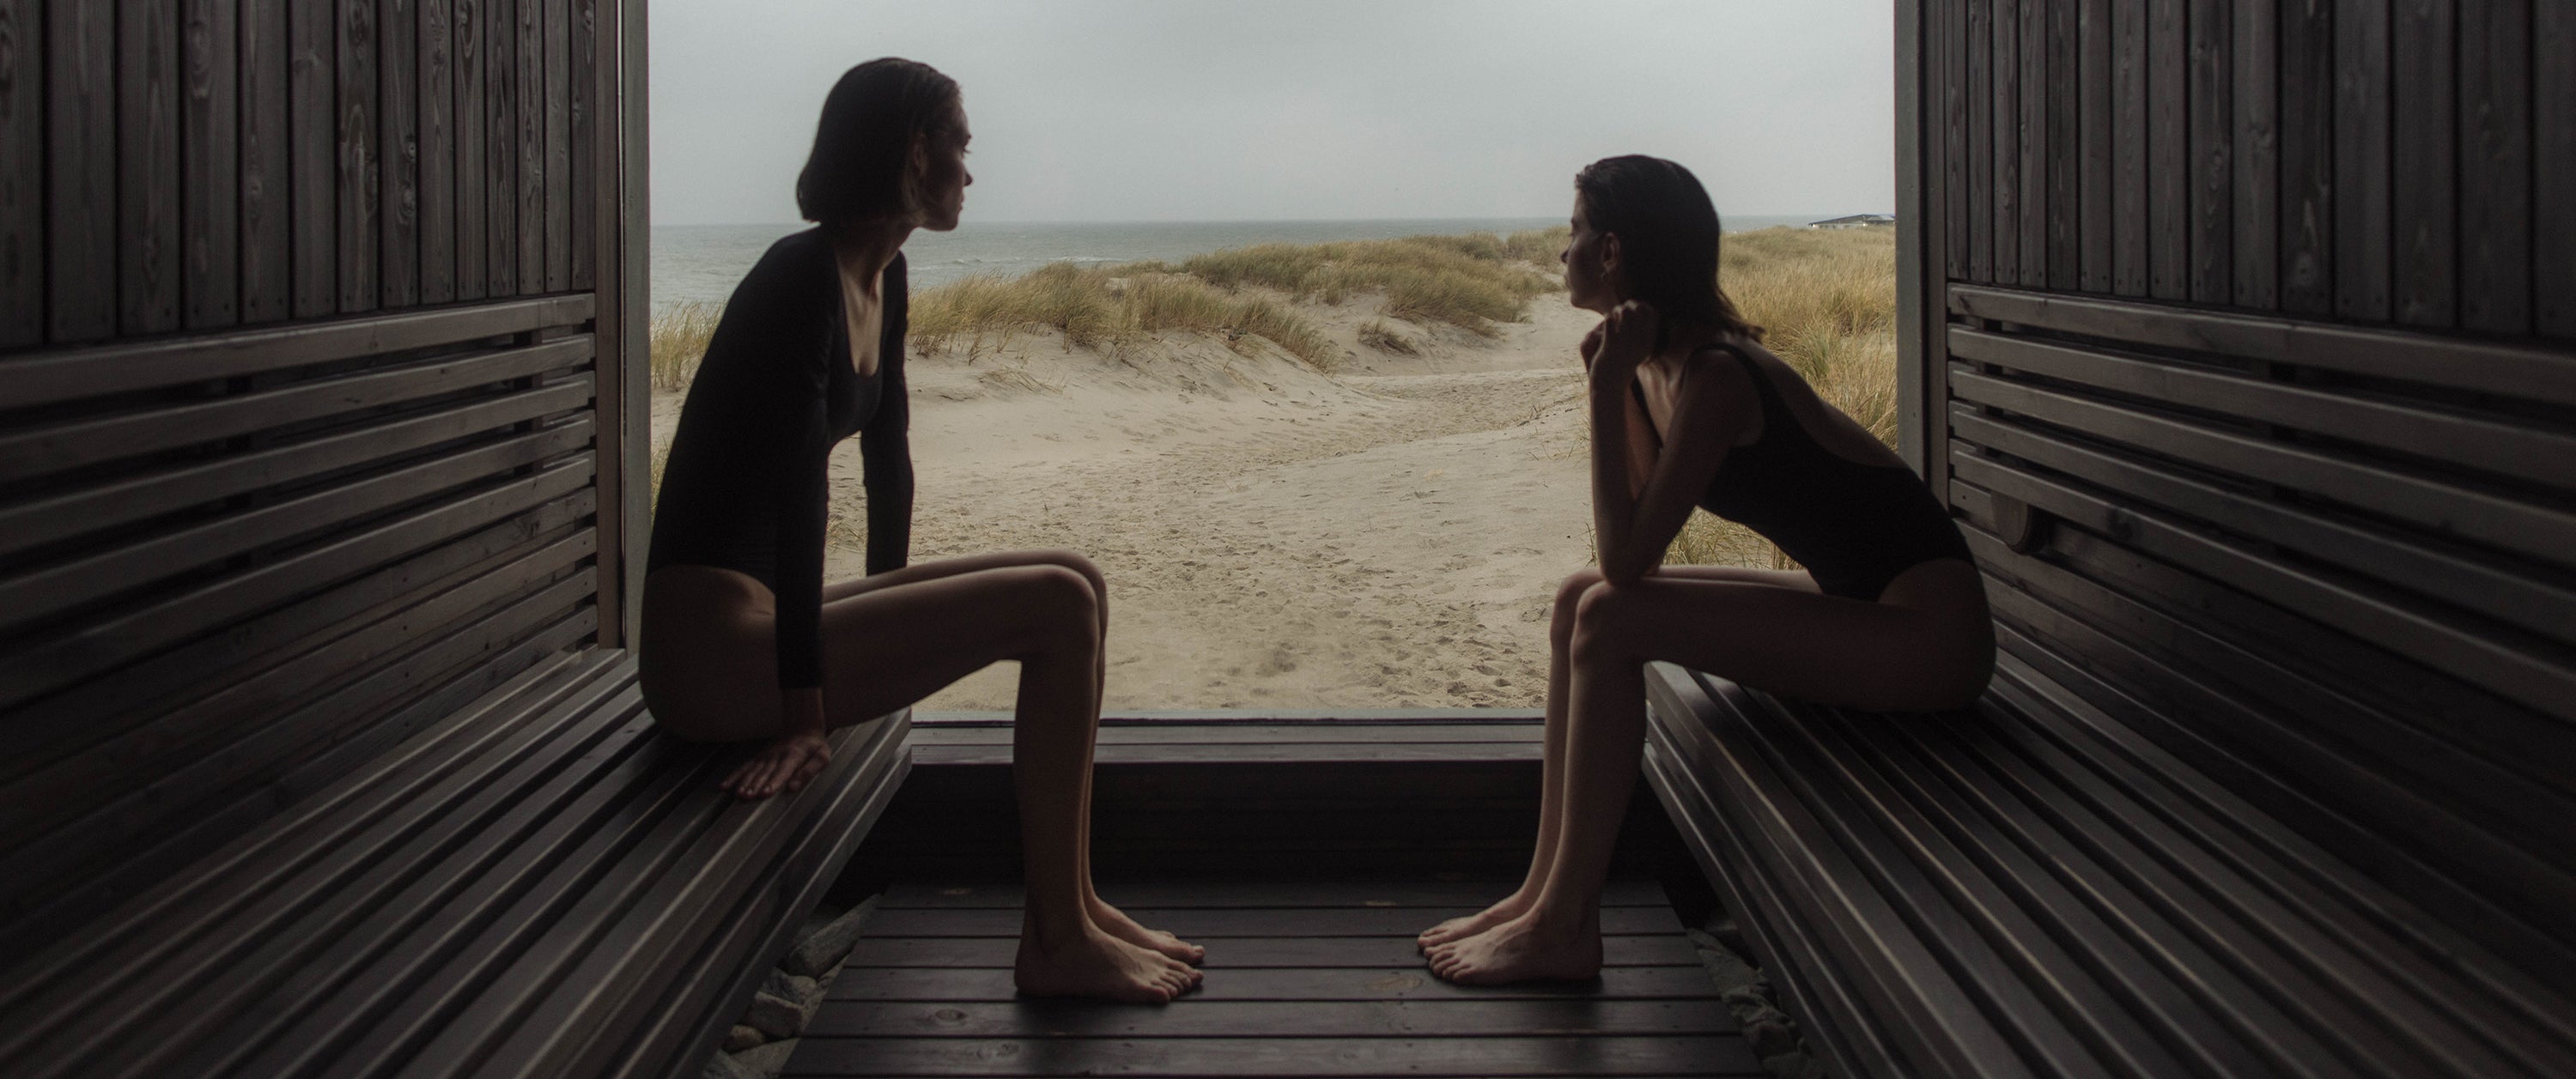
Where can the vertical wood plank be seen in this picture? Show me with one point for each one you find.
(2362, 220)
(2169, 171)
(2495, 166)
(398, 142)
(1954, 138)
(472, 267)
(210, 124)
(2033, 227)
(2207, 30)
(2065, 154)
(530, 95)
(312, 90)
(2005, 108)
(558, 133)
(623, 505)
(437, 153)
(2553, 126)
(2425, 191)
(1981, 142)
(585, 161)
(359, 171)
(2129, 147)
(2307, 103)
(147, 180)
(2093, 36)
(267, 277)
(501, 142)
(80, 174)
(2254, 83)
(22, 175)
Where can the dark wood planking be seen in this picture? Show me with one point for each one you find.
(2038, 163)
(557, 39)
(80, 154)
(2065, 116)
(71, 374)
(2095, 132)
(1124, 756)
(501, 142)
(2211, 117)
(1265, 895)
(148, 231)
(1981, 139)
(2553, 129)
(436, 40)
(312, 210)
(1951, 32)
(267, 268)
(2129, 147)
(1655, 950)
(2495, 133)
(1411, 982)
(22, 173)
(358, 150)
(1254, 734)
(2424, 193)
(2253, 85)
(2532, 370)
(587, 210)
(2363, 255)
(528, 135)
(210, 122)
(1667, 1055)
(473, 268)
(1200, 1018)
(2004, 112)
(2169, 171)
(398, 147)
(1208, 924)
(2306, 151)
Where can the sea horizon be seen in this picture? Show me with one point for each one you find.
(703, 262)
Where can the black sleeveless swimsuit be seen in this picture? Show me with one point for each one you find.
(744, 486)
(1854, 526)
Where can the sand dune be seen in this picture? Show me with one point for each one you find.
(1386, 536)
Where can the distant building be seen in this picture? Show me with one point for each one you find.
(1855, 221)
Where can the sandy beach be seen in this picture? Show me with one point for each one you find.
(1388, 535)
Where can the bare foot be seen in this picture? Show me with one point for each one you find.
(1116, 923)
(1100, 966)
(786, 764)
(1468, 925)
(1521, 950)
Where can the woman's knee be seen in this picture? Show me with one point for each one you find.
(1059, 600)
(1079, 563)
(1601, 622)
(1569, 593)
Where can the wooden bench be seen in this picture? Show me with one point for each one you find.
(539, 884)
(2033, 887)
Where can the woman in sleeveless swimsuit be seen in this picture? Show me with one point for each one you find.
(1688, 409)
(743, 641)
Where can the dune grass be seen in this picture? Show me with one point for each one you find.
(677, 338)
(1827, 301)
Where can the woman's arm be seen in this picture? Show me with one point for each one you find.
(885, 447)
(1634, 517)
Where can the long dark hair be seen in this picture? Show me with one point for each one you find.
(861, 164)
(1668, 237)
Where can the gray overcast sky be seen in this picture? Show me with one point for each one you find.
(1137, 110)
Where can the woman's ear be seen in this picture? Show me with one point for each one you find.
(1609, 255)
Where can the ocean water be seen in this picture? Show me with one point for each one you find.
(704, 262)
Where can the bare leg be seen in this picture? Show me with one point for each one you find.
(1880, 656)
(1551, 812)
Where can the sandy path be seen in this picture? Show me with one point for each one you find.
(1272, 537)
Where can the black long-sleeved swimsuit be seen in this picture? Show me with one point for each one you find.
(744, 486)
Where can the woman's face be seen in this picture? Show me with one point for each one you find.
(944, 176)
(1591, 260)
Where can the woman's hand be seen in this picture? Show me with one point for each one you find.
(1627, 338)
(794, 759)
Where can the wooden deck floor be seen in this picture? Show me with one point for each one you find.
(1303, 979)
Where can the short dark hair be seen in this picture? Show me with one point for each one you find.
(1668, 237)
(863, 146)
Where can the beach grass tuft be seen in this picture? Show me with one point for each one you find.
(1376, 334)
(676, 339)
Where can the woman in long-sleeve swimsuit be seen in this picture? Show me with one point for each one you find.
(1688, 409)
(743, 641)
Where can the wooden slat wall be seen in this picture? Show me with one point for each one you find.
(2298, 419)
(293, 454)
